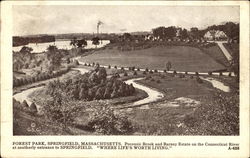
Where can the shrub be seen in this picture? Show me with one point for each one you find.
(89, 64)
(191, 77)
(85, 64)
(33, 108)
(199, 80)
(181, 76)
(138, 69)
(155, 70)
(109, 67)
(186, 73)
(165, 71)
(135, 73)
(122, 68)
(125, 74)
(221, 74)
(115, 67)
(150, 71)
(174, 72)
(76, 62)
(152, 79)
(229, 74)
(105, 121)
(196, 73)
(25, 104)
(209, 73)
(146, 69)
(144, 73)
(158, 81)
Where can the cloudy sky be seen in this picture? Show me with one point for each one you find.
(83, 19)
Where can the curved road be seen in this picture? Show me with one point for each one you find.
(153, 95)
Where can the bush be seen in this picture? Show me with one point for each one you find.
(196, 73)
(158, 81)
(144, 73)
(146, 69)
(199, 80)
(165, 71)
(105, 121)
(174, 72)
(209, 73)
(150, 71)
(191, 77)
(25, 104)
(33, 108)
(186, 73)
(138, 69)
(229, 74)
(85, 64)
(221, 74)
(125, 74)
(76, 62)
(115, 67)
(122, 68)
(109, 67)
(155, 70)
(135, 73)
(181, 76)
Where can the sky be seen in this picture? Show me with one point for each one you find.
(45, 19)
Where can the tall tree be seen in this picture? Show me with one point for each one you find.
(95, 41)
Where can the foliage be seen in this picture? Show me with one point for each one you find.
(168, 65)
(105, 120)
(59, 108)
(96, 41)
(92, 86)
(220, 117)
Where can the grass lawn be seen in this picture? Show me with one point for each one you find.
(216, 53)
(160, 119)
(183, 58)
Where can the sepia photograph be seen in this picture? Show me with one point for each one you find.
(134, 70)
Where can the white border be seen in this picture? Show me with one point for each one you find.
(6, 97)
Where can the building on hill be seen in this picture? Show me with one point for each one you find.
(215, 35)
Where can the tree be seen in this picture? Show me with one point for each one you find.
(33, 108)
(127, 37)
(95, 41)
(25, 104)
(107, 93)
(60, 109)
(101, 73)
(184, 33)
(81, 43)
(170, 32)
(26, 50)
(194, 31)
(99, 93)
(168, 65)
(159, 32)
(73, 42)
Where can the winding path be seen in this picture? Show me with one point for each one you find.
(153, 95)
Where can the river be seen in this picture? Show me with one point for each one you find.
(41, 47)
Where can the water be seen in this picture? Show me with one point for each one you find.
(41, 47)
(217, 84)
